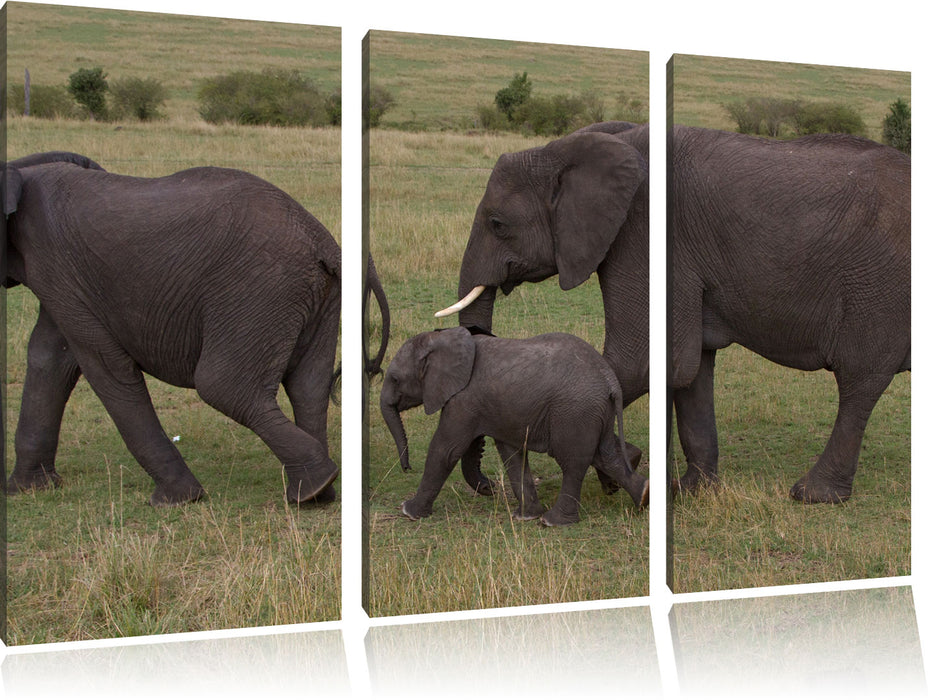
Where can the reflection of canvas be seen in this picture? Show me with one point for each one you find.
(91, 558)
(799, 250)
(430, 156)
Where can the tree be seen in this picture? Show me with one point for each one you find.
(89, 86)
(897, 126)
(517, 92)
(139, 97)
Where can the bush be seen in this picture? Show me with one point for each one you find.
(827, 118)
(273, 97)
(138, 97)
(510, 98)
(778, 118)
(897, 126)
(89, 88)
(45, 102)
(379, 101)
(630, 109)
(762, 115)
(491, 118)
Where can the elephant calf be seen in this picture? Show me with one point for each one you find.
(553, 393)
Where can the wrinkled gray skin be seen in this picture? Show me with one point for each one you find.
(797, 250)
(552, 393)
(528, 227)
(209, 278)
(800, 251)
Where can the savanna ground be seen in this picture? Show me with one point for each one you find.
(92, 559)
(424, 187)
(773, 421)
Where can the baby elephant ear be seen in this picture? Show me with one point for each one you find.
(447, 367)
(596, 182)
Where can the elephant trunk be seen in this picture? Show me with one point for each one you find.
(480, 312)
(394, 421)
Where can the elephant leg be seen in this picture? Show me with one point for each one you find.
(308, 386)
(830, 479)
(565, 510)
(695, 422)
(521, 480)
(471, 468)
(51, 374)
(119, 384)
(444, 451)
(608, 483)
(622, 469)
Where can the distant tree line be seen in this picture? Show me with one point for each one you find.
(785, 118)
(516, 108)
(274, 97)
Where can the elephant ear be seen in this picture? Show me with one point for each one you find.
(446, 366)
(12, 187)
(597, 179)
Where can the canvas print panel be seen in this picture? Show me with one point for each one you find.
(443, 111)
(789, 247)
(186, 279)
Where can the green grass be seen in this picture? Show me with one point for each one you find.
(438, 82)
(92, 559)
(773, 421)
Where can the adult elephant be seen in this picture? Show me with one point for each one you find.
(797, 250)
(573, 206)
(210, 278)
(800, 251)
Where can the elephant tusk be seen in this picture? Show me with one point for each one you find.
(458, 306)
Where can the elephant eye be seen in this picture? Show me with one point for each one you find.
(497, 226)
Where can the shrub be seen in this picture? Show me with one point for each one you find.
(897, 126)
(510, 98)
(45, 102)
(138, 97)
(630, 109)
(762, 115)
(273, 97)
(380, 100)
(89, 88)
(827, 118)
(491, 118)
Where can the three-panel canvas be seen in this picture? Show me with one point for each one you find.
(615, 363)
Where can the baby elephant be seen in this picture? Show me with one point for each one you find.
(553, 393)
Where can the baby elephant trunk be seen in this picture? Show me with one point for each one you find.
(391, 416)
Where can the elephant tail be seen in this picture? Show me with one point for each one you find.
(372, 285)
(335, 384)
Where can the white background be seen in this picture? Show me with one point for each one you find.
(308, 659)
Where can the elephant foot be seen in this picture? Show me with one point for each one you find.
(413, 511)
(175, 493)
(694, 479)
(810, 491)
(33, 480)
(326, 495)
(528, 512)
(641, 494)
(484, 487)
(551, 519)
(305, 483)
(557, 515)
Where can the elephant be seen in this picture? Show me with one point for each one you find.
(210, 278)
(551, 393)
(798, 250)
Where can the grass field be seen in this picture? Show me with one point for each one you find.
(773, 422)
(424, 189)
(92, 559)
